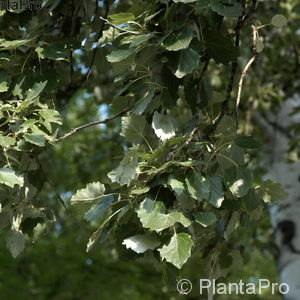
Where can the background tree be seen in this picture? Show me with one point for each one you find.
(186, 79)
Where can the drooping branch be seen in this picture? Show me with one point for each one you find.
(75, 130)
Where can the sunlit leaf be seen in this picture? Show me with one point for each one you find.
(178, 250)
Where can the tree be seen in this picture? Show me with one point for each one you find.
(177, 85)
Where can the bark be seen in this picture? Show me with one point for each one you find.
(285, 215)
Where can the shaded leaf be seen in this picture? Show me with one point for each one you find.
(132, 128)
(15, 242)
(128, 168)
(220, 48)
(232, 224)
(247, 142)
(216, 195)
(143, 103)
(205, 218)
(99, 209)
(279, 21)
(36, 139)
(197, 186)
(119, 55)
(238, 180)
(188, 62)
(251, 200)
(178, 41)
(136, 40)
(270, 190)
(233, 10)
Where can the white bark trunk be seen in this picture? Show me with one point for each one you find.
(285, 215)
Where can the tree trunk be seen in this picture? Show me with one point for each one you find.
(285, 215)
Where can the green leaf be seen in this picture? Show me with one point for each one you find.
(233, 10)
(219, 48)
(271, 191)
(225, 261)
(6, 141)
(84, 198)
(121, 18)
(3, 81)
(99, 209)
(108, 35)
(216, 195)
(152, 215)
(205, 218)
(9, 45)
(178, 41)
(141, 243)
(238, 180)
(251, 200)
(119, 55)
(178, 251)
(176, 185)
(4, 87)
(132, 128)
(247, 142)
(36, 139)
(163, 126)
(136, 40)
(50, 115)
(128, 168)
(188, 62)
(10, 178)
(279, 21)
(35, 91)
(232, 224)
(140, 191)
(15, 242)
(55, 51)
(143, 103)
(197, 186)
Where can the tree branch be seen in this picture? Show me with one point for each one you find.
(225, 105)
(75, 130)
(248, 65)
(99, 35)
(243, 74)
(120, 28)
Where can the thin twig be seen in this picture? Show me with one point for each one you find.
(75, 130)
(99, 35)
(243, 74)
(119, 27)
(243, 21)
(248, 65)
(225, 105)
